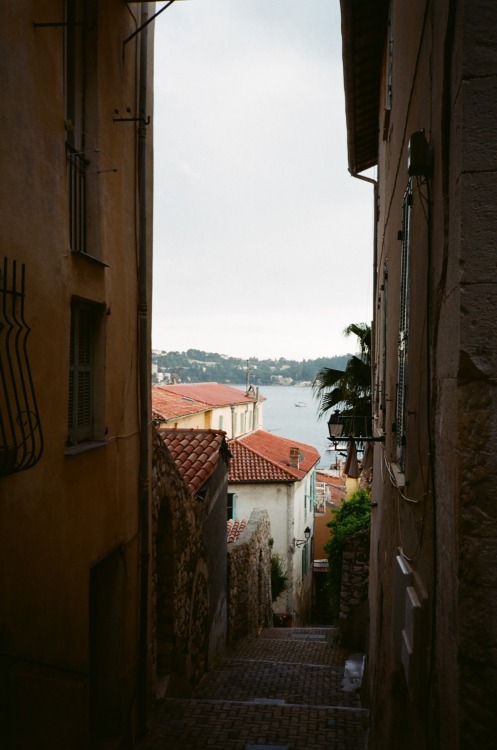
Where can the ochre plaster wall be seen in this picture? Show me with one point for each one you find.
(60, 519)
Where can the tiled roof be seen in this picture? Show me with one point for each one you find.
(248, 466)
(261, 456)
(168, 406)
(195, 453)
(211, 394)
(234, 529)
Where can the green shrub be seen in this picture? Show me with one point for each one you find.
(279, 580)
(352, 516)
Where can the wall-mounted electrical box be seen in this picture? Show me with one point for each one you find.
(419, 156)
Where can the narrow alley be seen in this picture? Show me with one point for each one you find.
(282, 690)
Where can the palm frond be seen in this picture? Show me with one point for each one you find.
(350, 387)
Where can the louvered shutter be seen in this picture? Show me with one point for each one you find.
(80, 412)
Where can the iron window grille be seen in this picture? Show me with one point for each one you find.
(21, 438)
(402, 372)
(77, 166)
(383, 395)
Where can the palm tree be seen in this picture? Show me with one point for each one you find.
(349, 389)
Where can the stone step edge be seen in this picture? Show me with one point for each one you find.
(264, 706)
(306, 664)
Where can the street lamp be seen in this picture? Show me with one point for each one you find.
(301, 542)
(335, 425)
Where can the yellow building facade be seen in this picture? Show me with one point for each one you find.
(75, 207)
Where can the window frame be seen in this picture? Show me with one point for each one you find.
(85, 425)
(81, 127)
(231, 505)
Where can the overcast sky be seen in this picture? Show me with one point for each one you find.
(262, 240)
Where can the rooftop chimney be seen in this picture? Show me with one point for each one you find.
(295, 457)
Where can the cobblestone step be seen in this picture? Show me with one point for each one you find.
(231, 725)
(239, 679)
(282, 690)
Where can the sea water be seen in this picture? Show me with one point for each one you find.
(283, 417)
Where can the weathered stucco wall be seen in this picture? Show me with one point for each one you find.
(433, 585)
(249, 579)
(69, 527)
(290, 513)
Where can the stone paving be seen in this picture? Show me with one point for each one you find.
(282, 690)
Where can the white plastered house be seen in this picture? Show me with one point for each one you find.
(279, 475)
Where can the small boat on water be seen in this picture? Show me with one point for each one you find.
(301, 403)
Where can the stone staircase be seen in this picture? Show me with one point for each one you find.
(283, 690)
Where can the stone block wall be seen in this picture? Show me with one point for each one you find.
(179, 580)
(249, 579)
(354, 591)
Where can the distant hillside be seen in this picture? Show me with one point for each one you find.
(195, 366)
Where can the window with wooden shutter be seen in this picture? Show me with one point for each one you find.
(80, 414)
(305, 560)
(231, 505)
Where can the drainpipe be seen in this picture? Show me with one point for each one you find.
(144, 381)
(375, 236)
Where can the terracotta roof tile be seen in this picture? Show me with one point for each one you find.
(261, 456)
(195, 453)
(234, 529)
(337, 482)
(203, 395)
(168, 406)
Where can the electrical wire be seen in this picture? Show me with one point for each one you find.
(410, 558)
(395, 484)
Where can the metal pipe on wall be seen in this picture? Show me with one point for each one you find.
(144, 379)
